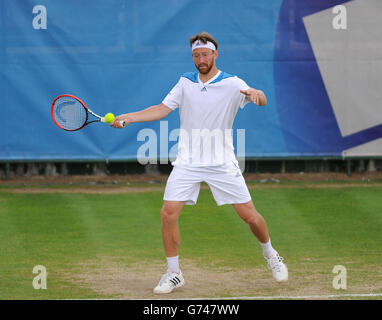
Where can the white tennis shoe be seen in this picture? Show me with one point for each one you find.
(169, 282)
(278, 267)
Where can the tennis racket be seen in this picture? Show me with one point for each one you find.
(71, 114)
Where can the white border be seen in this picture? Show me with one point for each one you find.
(294, 297)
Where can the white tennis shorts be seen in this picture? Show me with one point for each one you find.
(226, 183)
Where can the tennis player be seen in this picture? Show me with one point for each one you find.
(208, 101)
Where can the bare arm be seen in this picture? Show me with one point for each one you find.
(149, 114)
(256, 96)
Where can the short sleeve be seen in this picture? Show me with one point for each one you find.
(242, 86)
(174, 98)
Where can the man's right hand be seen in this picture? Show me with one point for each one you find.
(117, 123)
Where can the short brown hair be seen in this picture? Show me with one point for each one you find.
(204, 37)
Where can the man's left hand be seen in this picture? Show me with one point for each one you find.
(255, 96)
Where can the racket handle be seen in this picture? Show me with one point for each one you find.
(123, 124)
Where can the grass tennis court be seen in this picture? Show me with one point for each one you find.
(108, 244)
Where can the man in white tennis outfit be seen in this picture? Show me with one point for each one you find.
(208, 101)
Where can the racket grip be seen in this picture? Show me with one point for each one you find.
(123, 124)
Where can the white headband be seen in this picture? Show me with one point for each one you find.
(199, 44)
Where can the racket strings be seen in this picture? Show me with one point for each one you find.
(69, 113)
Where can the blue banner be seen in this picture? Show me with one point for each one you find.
(121, 56)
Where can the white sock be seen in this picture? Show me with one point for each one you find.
(173, 264)
(268, 250)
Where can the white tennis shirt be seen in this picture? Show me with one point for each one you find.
(207, 111)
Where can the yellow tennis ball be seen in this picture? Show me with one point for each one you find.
(109, 117)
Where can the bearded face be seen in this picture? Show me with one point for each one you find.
(204, 59)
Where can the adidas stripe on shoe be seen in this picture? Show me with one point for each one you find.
(169, 282)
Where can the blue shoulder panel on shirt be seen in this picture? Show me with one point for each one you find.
(192, 76)
(222, 75)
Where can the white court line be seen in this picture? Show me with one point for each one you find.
(256, 297)
(295, 297)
